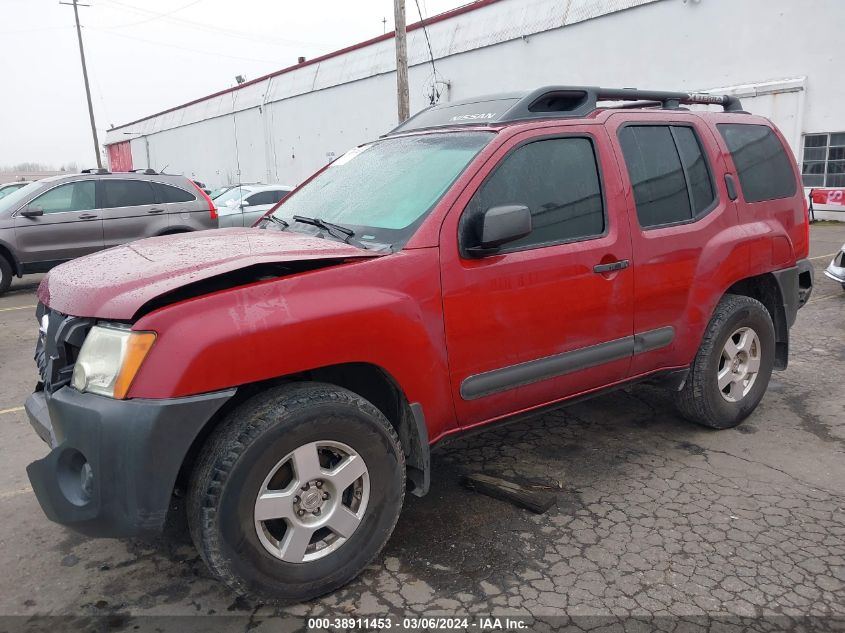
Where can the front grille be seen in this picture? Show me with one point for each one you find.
(59, 341)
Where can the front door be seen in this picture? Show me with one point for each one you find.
(71, 226)
(543, 319)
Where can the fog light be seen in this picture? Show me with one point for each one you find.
(75, 477)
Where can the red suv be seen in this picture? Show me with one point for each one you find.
(486, 258)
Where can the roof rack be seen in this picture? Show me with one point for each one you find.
(555, 102)
(146, 172)
(95, 170)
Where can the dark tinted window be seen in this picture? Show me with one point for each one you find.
(762, 165)
(656, 173)
(126, 193)
(695, 168)
(74, 196)
(558, 180)
(167, 193)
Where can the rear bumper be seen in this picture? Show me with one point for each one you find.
(113, 463)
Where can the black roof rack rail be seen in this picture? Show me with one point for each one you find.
(146, 171)
(95, 170)
(554, 102)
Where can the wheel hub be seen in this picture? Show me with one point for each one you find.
(312, 498)
(312, 501)
(739, 364)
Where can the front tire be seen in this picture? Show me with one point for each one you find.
(731, 370)
(296, 492)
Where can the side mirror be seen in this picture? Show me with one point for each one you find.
(31, 212)
(230, 204)
(500, 225)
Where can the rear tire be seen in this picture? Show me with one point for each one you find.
(731, 370)
(5, 274)
(290, 454)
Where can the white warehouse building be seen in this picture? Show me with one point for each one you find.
(783, 58)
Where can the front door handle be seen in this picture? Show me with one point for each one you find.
(154, 210)
(87, 216)
(607, 268)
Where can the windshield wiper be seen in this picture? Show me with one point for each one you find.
(326, 226)
(278, 221)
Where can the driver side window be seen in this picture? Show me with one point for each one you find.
(558, 180)
(74, 196)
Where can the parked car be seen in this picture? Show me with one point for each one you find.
(487, 258)
(57, 219)
(245, 205)
(836, 269)
(216, 193)
(9, 187)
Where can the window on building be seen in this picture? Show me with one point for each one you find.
(764, 169)
(126, 193)
(668, 172)
(558, 180)
(824, 160)
(168, 193)
(74, 196)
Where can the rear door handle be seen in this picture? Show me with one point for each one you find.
(87, 216)
(154, 210)
(606, 268)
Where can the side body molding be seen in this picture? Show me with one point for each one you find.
(513, 376)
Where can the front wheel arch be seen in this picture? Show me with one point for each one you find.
(371, 382)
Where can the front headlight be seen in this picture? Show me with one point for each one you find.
(109, 360)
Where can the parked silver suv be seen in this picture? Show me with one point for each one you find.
(57, 219)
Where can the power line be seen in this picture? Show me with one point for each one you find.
(208, 28)
(183, 48)
(435, 95)
(156, 17)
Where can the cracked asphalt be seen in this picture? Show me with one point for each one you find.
(658, 524)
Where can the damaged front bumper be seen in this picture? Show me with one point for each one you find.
(113, 463)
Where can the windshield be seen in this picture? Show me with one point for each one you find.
(234, 194)
(384, 190)
(13, 199)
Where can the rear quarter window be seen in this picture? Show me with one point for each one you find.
(762, 164)
(168, 193)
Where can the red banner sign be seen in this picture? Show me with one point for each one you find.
(828, 196)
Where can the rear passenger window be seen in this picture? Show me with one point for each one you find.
(764, 170)
(262, 197)
(558, 180)
(126, 193)
(668, 172)
(167, 193)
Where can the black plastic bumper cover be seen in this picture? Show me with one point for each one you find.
(796, 286)
(113, 463)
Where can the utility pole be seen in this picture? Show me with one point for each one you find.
(75, 4)
(401, 60)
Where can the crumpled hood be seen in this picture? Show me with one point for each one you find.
(115, 283)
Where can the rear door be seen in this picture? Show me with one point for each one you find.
(538, 321)
(70, 227)
(130, 210)
(683, 229)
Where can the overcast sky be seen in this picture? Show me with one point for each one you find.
(148, 55)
